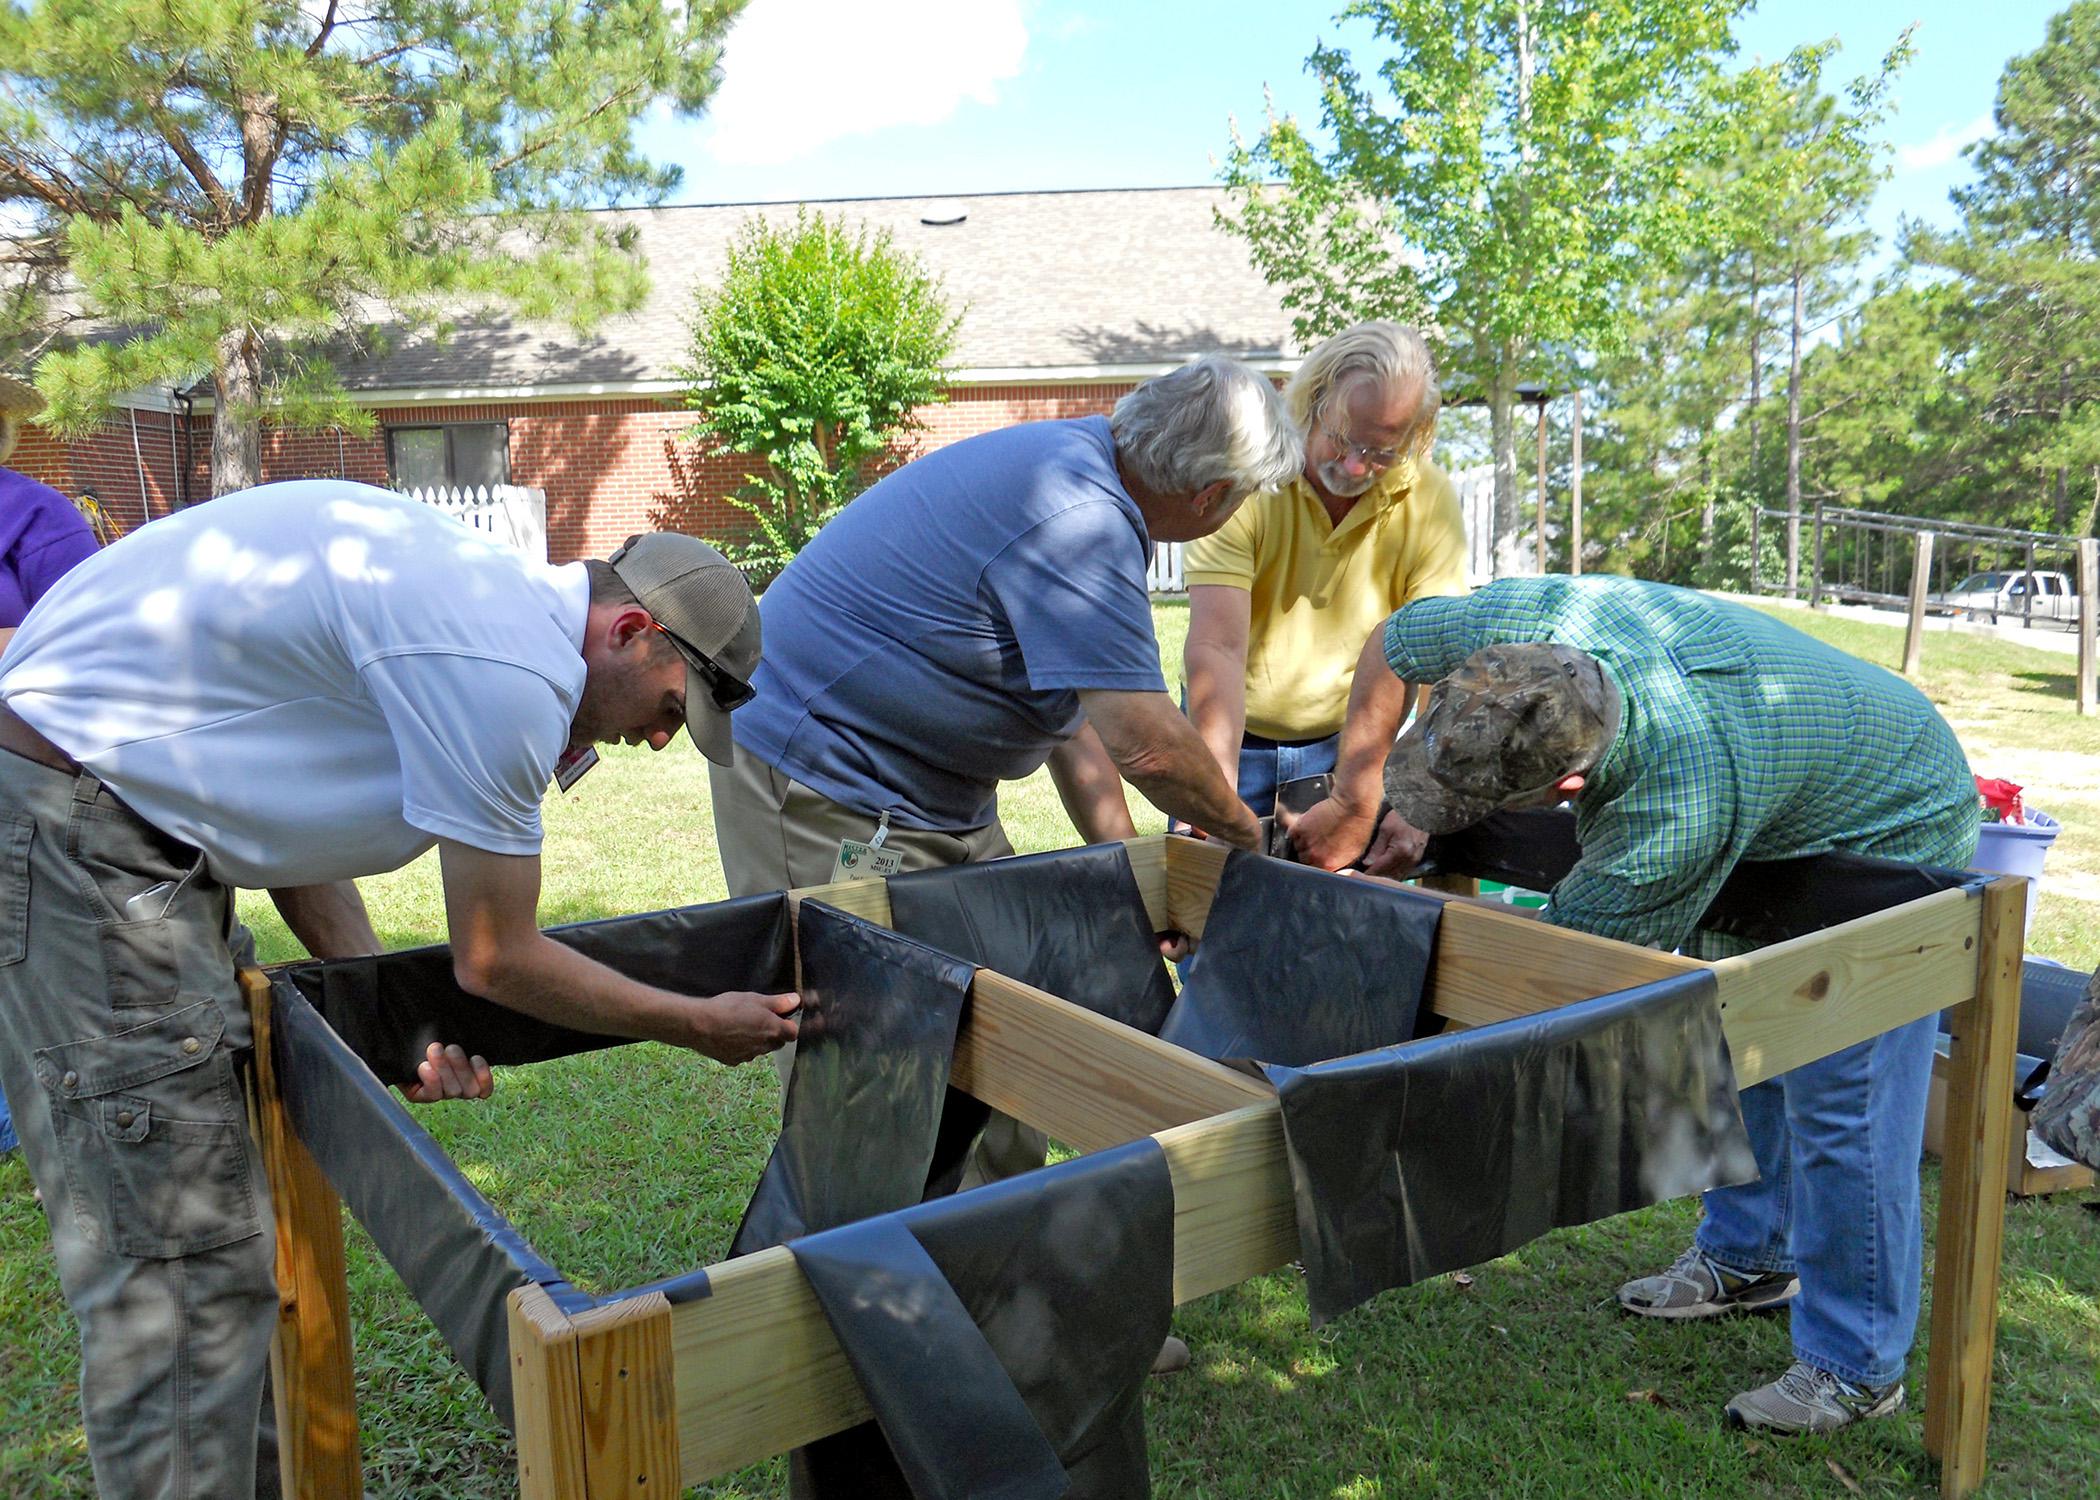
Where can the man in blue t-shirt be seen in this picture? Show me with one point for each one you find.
(983, 610)
(976, 613)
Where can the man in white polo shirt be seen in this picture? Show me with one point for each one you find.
(289, 688)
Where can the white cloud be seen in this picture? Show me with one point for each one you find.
(799, 74)
(1946, 144)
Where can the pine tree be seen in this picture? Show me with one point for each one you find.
(230, 185)
(2028, 258)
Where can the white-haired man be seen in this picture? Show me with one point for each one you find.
(980, 611)
(977, 612)
(1283, 596)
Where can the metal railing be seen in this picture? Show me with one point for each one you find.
(1869, 557)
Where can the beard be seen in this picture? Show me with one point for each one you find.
(1339, 483)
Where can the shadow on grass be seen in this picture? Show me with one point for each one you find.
(2048, 684)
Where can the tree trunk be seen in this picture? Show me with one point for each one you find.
(236, 424)
(1793, 441)
(1502, 423)
(1757, 371)
(2063, 475)
(1706, 508)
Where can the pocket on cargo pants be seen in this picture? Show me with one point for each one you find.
(153, 1136)
(162, 916)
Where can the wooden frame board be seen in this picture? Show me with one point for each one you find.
(640, 1397)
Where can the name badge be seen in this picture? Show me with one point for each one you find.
(573, 763)
(869, 861)
(859, 861)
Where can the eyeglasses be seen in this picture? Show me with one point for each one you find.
(728, 692)
(1375, 458)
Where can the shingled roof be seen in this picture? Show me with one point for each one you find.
(1053, 285)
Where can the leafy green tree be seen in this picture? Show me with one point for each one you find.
(226, 185)
(1512, 166)
(2028, 259)
(1810, 170)
(1888, 421)
(813, 355)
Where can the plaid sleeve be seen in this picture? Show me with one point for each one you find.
(1426, 639)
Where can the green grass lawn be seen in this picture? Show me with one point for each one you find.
(625, 1166)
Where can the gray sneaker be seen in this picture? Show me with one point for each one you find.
(1806, 1399)
(1698, 1286)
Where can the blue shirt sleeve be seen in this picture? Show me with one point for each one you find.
(1072, 589)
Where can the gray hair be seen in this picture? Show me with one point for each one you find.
(1392, 354)
(1212, 419)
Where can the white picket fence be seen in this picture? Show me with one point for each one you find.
(509, 513)
(1164, 576)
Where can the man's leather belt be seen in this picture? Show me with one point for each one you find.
(17, 736)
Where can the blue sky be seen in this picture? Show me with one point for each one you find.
(854, 98)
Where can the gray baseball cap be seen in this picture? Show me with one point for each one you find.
(1510, 722)
(700, 600)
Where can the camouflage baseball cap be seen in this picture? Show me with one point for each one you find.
(699, 599)
(1510, 722)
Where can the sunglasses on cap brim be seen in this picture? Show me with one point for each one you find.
(727, 692)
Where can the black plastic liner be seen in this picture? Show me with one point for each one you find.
(1072, 923)
(1459, 1148)
(1298, 966)
(1068, 1273)
(1763, 901)
(864, 1104)
(389, 1008)
(457, 1255)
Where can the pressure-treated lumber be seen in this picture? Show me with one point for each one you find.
(315, 1394)
(1088, 1081)
(634, 1396)
(1803, 999)
(595, 1398)
(1492, 964)
(546, 1399)
(628, 1400)
(1986, 1032)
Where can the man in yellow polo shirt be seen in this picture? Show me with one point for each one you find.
(1284, 595)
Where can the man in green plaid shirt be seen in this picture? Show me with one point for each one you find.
(1691, 734)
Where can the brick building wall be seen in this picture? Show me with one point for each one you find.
(611, 467)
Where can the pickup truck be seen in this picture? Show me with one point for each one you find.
(2012, 595)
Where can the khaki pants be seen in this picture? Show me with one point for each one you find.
(777, 834)
(122, 1031)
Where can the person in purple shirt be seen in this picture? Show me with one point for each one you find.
(41, 535)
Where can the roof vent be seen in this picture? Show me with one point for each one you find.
(944, 212)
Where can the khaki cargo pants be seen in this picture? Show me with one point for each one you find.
(776, 834)
(121, 1025)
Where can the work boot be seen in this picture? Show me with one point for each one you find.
(1173, 1355)
(1806, 1399)
(1698, 1286)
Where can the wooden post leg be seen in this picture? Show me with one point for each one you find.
(1972, 1197)
(1452, 885)
(318, 1455)
(593, 1399)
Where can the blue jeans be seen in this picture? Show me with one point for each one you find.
(7, 1128)
(1266, 765)
(1836, 1201)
